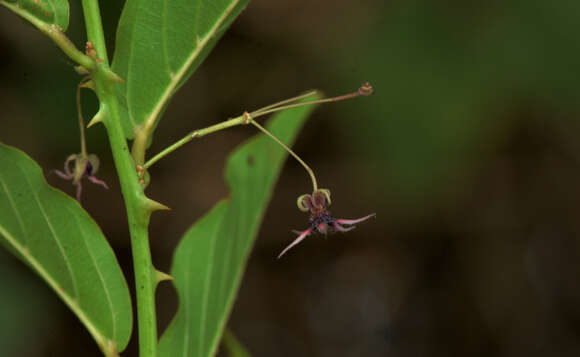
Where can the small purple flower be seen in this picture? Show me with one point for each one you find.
(84, 166)
(320, 219)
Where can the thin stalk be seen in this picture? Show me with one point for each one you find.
(81, 123)
(192, 135)
(286, 101)
(138, 206)
(273, 108)
(365, 89)
(308, 169)
(247, 118)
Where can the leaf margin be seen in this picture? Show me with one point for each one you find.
(220, 209)
(110, 345)
(20, 7)
(204, 45)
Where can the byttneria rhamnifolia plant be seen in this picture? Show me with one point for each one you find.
(159, 45)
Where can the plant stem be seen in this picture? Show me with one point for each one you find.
(279, 106)
(308, 169)
(242, 119)
(286, 101)
(56, 34)
(138, 206)
(192, 135)
(81, 123)
(247, 118)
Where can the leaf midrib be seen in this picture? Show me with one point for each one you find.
(101, 278)
(55, 238)
(180, 73)
(207, 285)
(69, 300)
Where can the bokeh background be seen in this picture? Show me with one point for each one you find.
(467, 152)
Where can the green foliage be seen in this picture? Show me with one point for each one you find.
(159, 45)
(209, 261)
(50, 12)
(51, 233)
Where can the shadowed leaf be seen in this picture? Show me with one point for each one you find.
(209, 262)
(51, 233)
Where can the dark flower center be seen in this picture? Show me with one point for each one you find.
(89, 169)
(323, 217)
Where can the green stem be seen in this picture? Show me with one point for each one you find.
(242, 119)
(138, 206)
(195, 134)
(56, 34)
(365, 89)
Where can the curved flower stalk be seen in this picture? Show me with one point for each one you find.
(85, 165)
(321, 220)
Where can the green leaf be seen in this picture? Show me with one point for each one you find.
(159, 45)
(53, 235)
(209, 262)
(50, 12)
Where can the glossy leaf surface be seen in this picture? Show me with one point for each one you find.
(209, 262)
(159, 44)
(53, 234)
(51, 12)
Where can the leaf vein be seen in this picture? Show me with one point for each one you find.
(207, 286)
(130, 53)
(180, 73)
(16, 211)
(164, 38)
(55, 236)
(99, 273)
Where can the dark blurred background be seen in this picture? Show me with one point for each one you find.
(467, 152)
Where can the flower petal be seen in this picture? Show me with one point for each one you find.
(355, 221)
(95, 180)
(302, 235)
(340, 228)
(63, 175)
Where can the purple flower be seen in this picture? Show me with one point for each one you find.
(84, 166)
(320, 219)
